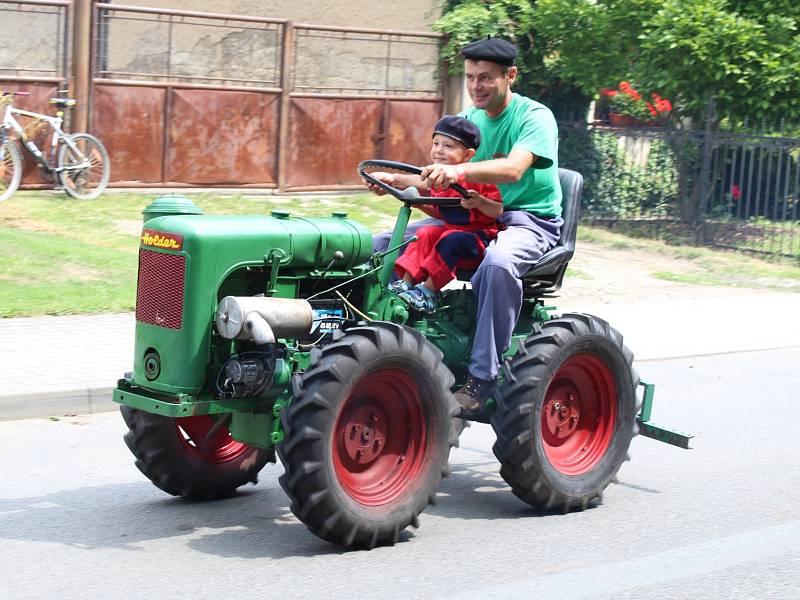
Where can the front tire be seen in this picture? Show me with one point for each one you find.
(180, 457)
(10, 169)
(89, 181)
(566, 413)
(368, 435)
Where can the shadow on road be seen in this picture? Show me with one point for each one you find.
(255, 523)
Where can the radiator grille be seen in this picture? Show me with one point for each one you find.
(159, 291)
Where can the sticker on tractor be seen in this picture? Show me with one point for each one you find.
(159, 239)
(326, 320)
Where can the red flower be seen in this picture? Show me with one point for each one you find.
(736, 193)
(627, 100)
(664, 105)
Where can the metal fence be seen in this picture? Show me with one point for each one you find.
(734, 190)
(189, 98)
(40, 53)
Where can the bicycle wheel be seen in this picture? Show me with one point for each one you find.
(10, 169)
(84, 177)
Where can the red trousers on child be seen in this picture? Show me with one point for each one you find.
(439, 251)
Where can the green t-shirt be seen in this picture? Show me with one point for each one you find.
(528, 125)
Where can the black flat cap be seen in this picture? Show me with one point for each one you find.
(460, 129)
(494, 50)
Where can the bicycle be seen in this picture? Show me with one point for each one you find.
(81, 167)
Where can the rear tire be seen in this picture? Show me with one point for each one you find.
(10, 169)
(178, 457)
(88, 182)
(566, 413)
(368, 435)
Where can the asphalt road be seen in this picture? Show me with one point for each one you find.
(77, 520)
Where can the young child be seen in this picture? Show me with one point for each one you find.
(431, 261)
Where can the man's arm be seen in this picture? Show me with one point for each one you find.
(499, 170)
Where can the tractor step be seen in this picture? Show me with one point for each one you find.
(653, 431)
(662, 434)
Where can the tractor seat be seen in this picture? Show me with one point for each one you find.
(63, 102)
(545, 276)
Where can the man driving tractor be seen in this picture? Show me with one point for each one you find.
(519, 154)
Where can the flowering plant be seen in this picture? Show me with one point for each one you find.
(627, 101)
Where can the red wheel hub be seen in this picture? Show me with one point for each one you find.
(205, 442)
(579, 414)
(380, 438)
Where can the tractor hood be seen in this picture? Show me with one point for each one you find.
(239, 240)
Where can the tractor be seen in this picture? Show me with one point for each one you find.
(265, 335)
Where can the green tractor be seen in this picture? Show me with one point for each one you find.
(256, 334)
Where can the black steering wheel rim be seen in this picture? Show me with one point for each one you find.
(398, 194)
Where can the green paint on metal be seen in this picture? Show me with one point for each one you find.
(217, 249)
(252, 428)
(397, 237)
(171, 204)
(647, 400)
(184, 405)
(663, 434)
(653, 431)
(277, 435)
(273, 259)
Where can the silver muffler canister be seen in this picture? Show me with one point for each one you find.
(263, 319)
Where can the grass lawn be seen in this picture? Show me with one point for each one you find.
(64, 256)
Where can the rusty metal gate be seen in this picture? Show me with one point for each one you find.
(184, 98)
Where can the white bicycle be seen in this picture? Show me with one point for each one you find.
(77, 162)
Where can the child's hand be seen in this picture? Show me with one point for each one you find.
(487, 206)
(387, 178)
(475, 200)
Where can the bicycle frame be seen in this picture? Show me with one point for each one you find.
(9, 122)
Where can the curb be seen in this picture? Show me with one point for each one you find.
(58, 403)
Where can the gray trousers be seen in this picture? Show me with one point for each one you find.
(497, 283)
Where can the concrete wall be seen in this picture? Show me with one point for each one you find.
(199, 50)
(410, 15)
(37, 53)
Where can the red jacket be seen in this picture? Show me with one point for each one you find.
(457, 217)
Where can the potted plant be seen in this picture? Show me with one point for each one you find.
(628, 107)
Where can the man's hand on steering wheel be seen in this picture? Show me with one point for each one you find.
(387, 178)
(440, 176)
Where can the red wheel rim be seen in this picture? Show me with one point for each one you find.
(578, 415)
(380, 438)
(219, 447)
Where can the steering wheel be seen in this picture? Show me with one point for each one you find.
(409, 195)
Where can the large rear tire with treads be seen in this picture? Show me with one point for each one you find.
(368, 435)
(566, 413)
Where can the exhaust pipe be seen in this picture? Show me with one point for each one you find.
(263, 320)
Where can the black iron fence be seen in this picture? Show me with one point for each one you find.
(732, 189)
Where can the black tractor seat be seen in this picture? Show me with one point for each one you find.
(545, 276)
(63, 102)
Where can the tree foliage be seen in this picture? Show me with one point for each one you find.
(470, 20)
(743, 54)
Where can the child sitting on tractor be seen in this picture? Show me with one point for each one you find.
(430, 262)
